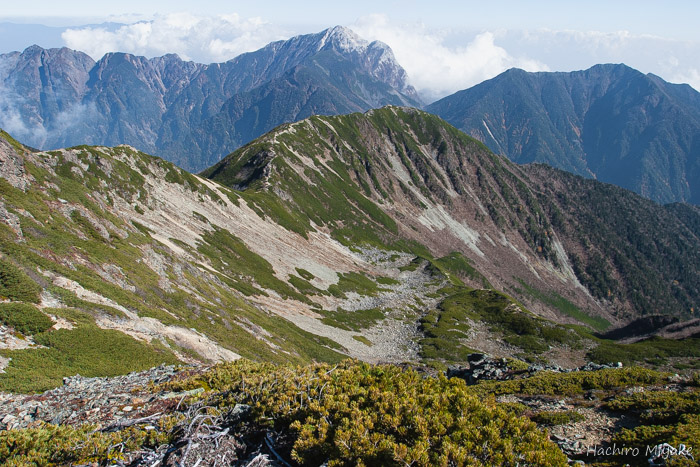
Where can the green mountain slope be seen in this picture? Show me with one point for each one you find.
(609, 122)
(385, 236)
(403, 174)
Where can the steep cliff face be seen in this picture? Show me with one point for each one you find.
(41, 91)
(56, 98)
(609, 122)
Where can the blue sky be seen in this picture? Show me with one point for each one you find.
(444, 45)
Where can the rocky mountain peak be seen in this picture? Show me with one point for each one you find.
(178, 109)
(343, 39)
(376, 56)
(35, 53)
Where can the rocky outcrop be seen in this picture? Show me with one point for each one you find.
(485, 367)
(12, 165)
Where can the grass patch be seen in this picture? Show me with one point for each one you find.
(86, 350)
(387, 281)
(24, 318)
(564, 306)
(75, 317)
(364, 340)
(352, 320)
(16, 285)
(16, 145)
(303, 286)
(304, 274)
(228, 253)
(142, 228)
(413, 265)
(353, 282)
(457, 264)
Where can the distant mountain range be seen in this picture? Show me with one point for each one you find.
(190, 113)
(609, 122)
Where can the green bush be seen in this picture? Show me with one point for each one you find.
(652, 351)
(24, 318)
(16, 285)
(658, 407)
(353, 282)
(518, 327)
(352, 320)
(67, 445)
(686, 431)
(358, 414)
(556, 418)
(305, 274)
(457, 264)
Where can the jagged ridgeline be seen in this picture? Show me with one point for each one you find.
(384, 236)
(190, 113)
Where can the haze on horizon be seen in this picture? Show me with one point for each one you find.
(444, 46)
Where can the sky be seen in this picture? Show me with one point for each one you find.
(444, 46)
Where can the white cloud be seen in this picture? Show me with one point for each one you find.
(436, 69)
(565, 50)
(200, 38)
(438, 61)
(690, 76)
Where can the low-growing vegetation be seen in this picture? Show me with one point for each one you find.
(67, 445)
(353, 282)
(571, 384)
(364, 340)
(358, 414)
(456, 264)
(86, 350)
(16, 285)
(448, 324)
(564, 306)
(352, 320)
(655, 351)
(665, 416)
(24, 318)
(657, 407)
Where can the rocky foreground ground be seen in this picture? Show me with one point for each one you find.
(157, 400)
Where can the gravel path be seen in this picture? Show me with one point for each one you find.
(395, 338)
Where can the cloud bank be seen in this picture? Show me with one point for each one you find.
(436, 69)
(438, 61)
(204, 39)
(677, 61)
